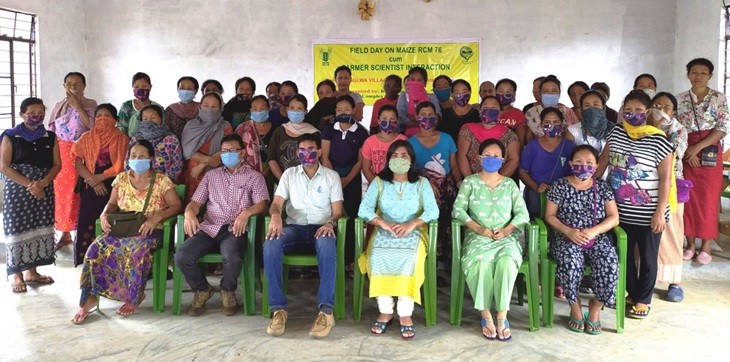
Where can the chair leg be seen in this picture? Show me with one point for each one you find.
(357, 292)
(532, 304)
(265, 309)
(520, 283)
(177, 284)
(250, 289)
(621, 299)
(549, 299)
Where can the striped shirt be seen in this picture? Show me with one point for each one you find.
(226, 194)
(634, 174)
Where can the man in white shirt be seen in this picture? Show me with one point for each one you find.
(313, 197)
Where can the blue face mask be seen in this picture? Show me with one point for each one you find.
(296, 117)
(491, 164)
(185, 95)
(260, 116)
(442, 94)
(140, 166)
(549, 99)
(230, 159)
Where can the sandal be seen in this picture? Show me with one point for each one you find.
(20, 287)
(40, 279)
(487, 323)
(404, 329)
(80, 317)
(505, 327)
(382, 326)
(703, 258)
(688, 254)
(639, 312)
(576, 325)
(592, 328)
(61, 243)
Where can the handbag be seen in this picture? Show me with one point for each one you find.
(127, 223)
(708, 155)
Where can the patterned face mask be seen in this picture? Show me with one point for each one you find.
(307, 156)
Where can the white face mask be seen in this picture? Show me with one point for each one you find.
(650, 92)
(662, 116)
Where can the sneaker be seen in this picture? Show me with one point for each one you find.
(197, 307)
(322, 325)
(230, 304)
(675, 293)
(277, 326)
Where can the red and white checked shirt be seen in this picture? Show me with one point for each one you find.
(227, 194)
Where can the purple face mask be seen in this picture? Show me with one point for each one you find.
(635, 119)
(489, 115)
(505, 99)
(307, 156)
(388, 126)
(427, 122)
(462, 99)
(142, 94)
(552, 130)
(35, 120)
(583, 172)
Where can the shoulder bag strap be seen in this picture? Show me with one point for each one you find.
(149, 191)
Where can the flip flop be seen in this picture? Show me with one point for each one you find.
(404, 329)
(688, 254)
(638, 313)
(40, 279)
(505, 327)
(19, 287)
(592, 328)
(61, 243)
(580, 323)
(486, 323)
(703, 258)
(383, 326)
(81, 316)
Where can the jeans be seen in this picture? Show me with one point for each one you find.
(300, 238)
(201, 244)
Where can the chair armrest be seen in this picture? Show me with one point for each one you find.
(533, 241)
(433, 232)
(180, 231)
(456, 229)
(542, 239)
(621, 243)
(359, 236)
(98, 230)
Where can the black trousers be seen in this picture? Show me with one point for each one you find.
(640, 280)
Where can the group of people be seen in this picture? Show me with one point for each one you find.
(426, 157)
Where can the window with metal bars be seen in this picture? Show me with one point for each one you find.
(18, 74)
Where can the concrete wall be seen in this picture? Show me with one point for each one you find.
(698, 35)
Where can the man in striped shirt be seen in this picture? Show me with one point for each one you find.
(231, 193)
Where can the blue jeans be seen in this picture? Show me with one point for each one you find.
(300, 238)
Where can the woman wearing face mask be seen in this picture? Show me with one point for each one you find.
(376, 146)
(415, 92)
(392, 87)
(669, 269)
(343, 78)
(279, 115)
(99, 155)
(576, 90)
(594, 125)
(168, 152)
(30, 159)
(511, 116)
(647, 83)
(117, 267)
(396, 252)
(283, 146)
(238, 108)
(473, 134)
(442, 89)
(704, 113)
(492, 252)
(581, 210)
(640, 160)
(272, 93)
(70, 118)
(436, 161)
(130, 111)
(549, 97)
(201, 141)
(460, 113)
(256, 135)
(545, 159)
(177, 115)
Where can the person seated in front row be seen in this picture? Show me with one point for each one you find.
(581, 210)
(313, 197)
(231, 194)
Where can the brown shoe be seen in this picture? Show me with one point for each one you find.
(230, 304)
(277, 326)
(197, 307)
(322, 325)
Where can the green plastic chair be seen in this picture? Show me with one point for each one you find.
(294, 259)
(528, 269)
(245, 279)
(548, 268)
(160, 259)
(429, 284)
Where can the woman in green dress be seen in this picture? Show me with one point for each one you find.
(494, 213)
(399, 204)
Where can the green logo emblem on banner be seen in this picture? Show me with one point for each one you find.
(466, 53)
(325, 54)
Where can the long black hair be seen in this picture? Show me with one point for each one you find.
(387, 174)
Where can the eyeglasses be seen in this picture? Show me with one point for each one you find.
(231, 150)
(664, 108)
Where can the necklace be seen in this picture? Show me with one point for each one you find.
(400, 191)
